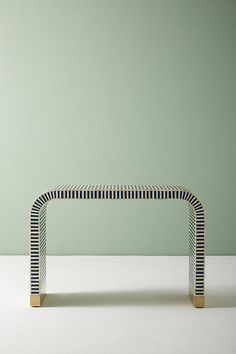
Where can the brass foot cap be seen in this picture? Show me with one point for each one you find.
(198, 301)
(36, 300)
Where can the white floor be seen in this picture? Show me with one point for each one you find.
(117, 305)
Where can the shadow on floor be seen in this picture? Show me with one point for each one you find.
(139, 297)
(115, 298)
(221, 300)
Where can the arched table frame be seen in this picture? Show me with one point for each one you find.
(124, 192)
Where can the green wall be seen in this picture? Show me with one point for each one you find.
(117, 92)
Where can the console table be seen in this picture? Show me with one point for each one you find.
(80, 192)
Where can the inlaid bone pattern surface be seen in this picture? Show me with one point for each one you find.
(196, 227)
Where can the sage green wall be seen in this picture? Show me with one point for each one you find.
(117, 92)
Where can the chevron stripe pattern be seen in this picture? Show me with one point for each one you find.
(196, 225)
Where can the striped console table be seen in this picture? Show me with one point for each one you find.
(38, 229)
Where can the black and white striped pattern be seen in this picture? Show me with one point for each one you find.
(38, 224)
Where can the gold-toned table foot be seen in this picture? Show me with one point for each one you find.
(198, 301)
(36, 300)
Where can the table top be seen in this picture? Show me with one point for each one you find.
(118, 187)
